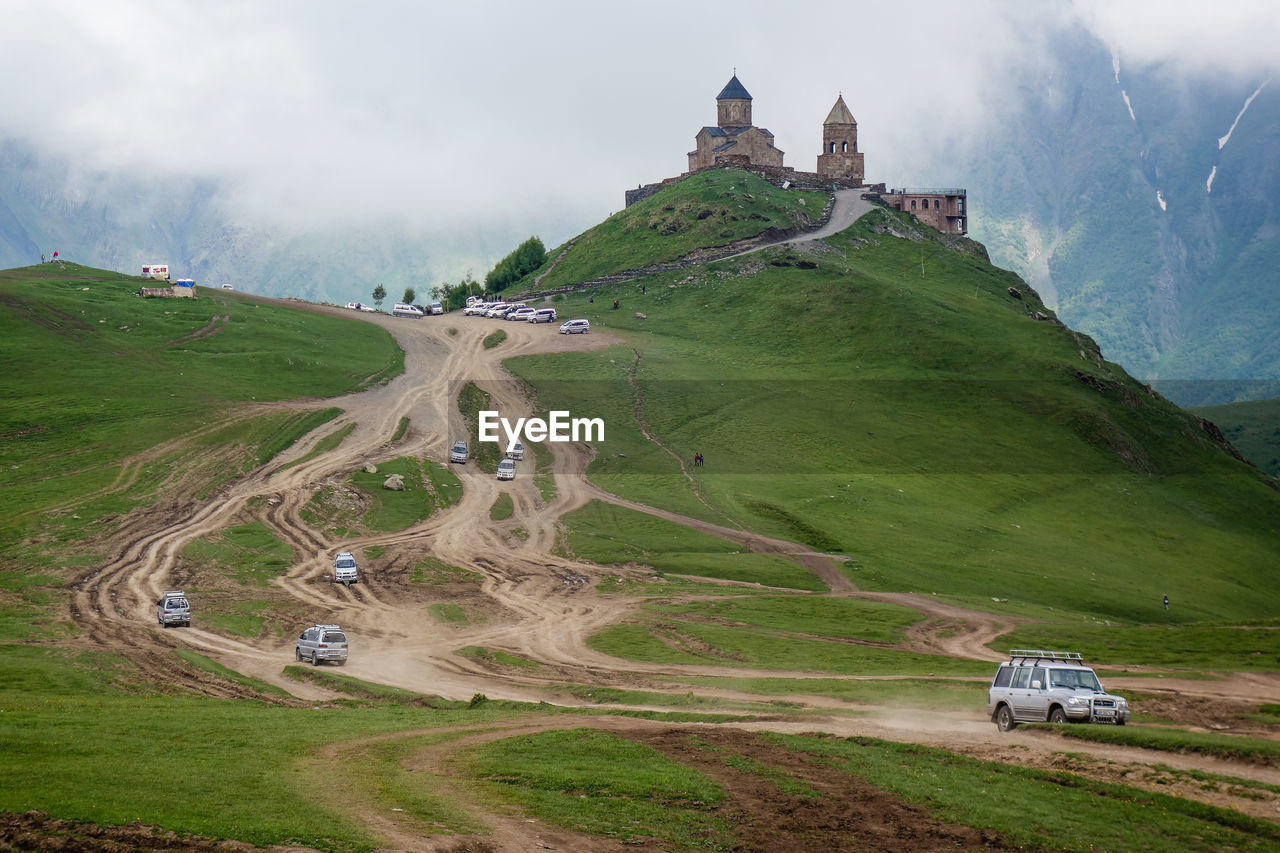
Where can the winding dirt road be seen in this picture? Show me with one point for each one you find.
(528, 595)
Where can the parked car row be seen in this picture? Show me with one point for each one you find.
(401, 309)
(520, 312)
(516, 311)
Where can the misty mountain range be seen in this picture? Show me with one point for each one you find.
(120, 222)
(1141, 204)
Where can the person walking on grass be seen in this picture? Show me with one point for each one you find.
(1166, 602)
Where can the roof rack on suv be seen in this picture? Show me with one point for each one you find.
(1016, 655)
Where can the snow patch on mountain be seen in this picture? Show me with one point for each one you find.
(1222, 140)
(1115, 69)
(1128, 104)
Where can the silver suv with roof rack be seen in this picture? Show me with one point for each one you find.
(173, 609)
(321, 642)
(1037, 686)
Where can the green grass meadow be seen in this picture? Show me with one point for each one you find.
(897, 404)
(251, 554)
(712, 209)
(598, 782)
(227, 769)
(608, 534)
(1253, 427)
(1038, 809)
(95, 374)
(884, 398)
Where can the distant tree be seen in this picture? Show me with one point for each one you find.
(526, 258)
(454, 296)
(409, 295)
(379, 294)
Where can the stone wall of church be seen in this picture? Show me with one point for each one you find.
(757, 148)
(733, 113)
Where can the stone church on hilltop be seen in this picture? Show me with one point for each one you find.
(733, 141)
(734, 136)
(840, 157)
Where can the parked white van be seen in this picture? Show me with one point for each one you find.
(403, 310)
(543, 315)
(436, 308)
(575, 327)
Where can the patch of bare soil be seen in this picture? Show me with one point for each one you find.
(208, 330)
(1191, 777)
(843, 812)
(1205, 713)
(38, 832)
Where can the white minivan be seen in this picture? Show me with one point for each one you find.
(403, 310)
(575, 327)
(543, 315)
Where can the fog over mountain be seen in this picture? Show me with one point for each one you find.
(317, 149)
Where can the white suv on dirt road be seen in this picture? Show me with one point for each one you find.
(1035, 686)
(345, 569)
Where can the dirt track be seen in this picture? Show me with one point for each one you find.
(531, 609)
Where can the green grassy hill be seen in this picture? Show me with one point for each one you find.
(887, 398)
(708, 210)
(94, 374)
(884, 397)
(1252, 427)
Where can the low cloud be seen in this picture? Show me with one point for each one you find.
(321, 114)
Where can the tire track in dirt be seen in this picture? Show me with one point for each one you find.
(543, 618)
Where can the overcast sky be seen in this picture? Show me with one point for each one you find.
(461, 114)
